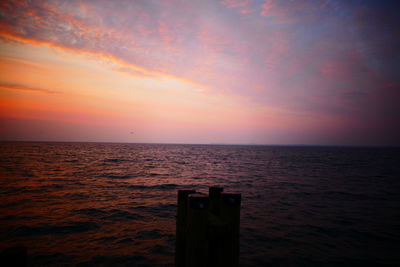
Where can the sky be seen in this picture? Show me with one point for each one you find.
(233, 71)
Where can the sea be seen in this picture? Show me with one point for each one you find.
(111, 204)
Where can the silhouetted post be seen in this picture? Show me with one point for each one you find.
(14, 256)
(214, 193)
(207, 229)
(197, 242)
(181, 221)
(230, 215)
(215, 228)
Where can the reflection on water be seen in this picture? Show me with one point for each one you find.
(115, 204)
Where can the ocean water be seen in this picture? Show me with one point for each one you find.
(103, 204)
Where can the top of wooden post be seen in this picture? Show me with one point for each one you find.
(215, 191)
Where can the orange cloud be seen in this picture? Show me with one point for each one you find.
(25, 88)
(124, 65)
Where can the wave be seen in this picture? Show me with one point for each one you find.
(71, 160)
(91, 212)
(149, 234)
(161, 211)
(138, 260)
(59, 229)
(112, 176)
(123, 215)
(160, 187)
(115, 160)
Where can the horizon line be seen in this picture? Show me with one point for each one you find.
(214, 143)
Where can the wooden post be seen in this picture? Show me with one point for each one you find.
(197, 242)
(214, 193)
(215, 227)
(14, 256)
(181, 221)
(230, 215)
(207, 229)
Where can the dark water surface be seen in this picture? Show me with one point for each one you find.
(115, 204)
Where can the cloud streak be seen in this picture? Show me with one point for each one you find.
(24, 88)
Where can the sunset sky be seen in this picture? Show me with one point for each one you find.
(232, 71)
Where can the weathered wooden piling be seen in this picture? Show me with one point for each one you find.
(181, 220)
(214, 193)
(196, 231)
(215, 227)
(207, 228)
(14, 256)
(230, 216)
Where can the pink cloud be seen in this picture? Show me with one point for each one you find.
(267, 7)
(246, 11)
(243, 6)
(236, 3)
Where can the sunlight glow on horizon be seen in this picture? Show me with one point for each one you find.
(103, 97)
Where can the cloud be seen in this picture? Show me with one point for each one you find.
(236, 3)
(136, 73)
(24, 88)
(267, 7)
